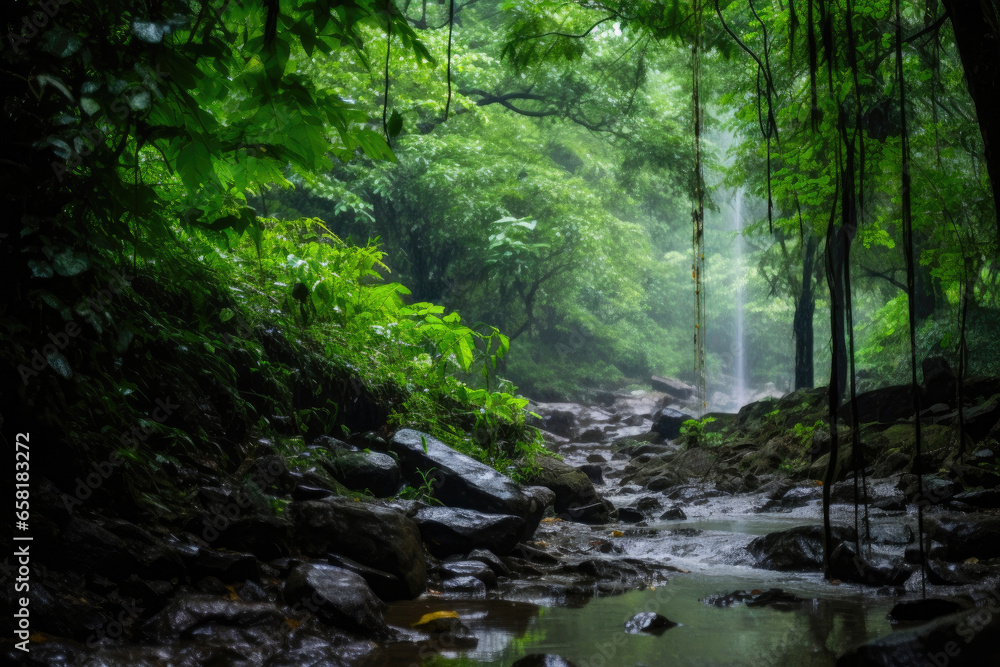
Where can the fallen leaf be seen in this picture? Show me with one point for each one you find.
(756, 591)
(38, 637)
(835, 582)
(617, 533)
(292, 623)
(233, 595)
(972, 559)
(433, 616)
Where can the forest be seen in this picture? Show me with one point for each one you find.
(495, 332)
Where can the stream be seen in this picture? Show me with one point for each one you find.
(707, 549)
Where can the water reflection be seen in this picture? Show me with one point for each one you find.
(827, 623)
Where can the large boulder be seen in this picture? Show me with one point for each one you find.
(339, 597)
(573, 488)
(797, 549)
(884, 405)
(378, 537)
(448, 531)
(966, 535)
(461, 481)
(966, 638)
(670, 386)
(667, 422)
(940, 382)
(377, 472)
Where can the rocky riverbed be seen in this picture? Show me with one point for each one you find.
(723, 541)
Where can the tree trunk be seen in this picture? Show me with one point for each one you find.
(802, 325)
(977, 33)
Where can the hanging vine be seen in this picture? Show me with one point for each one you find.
(698, 218)
(910, 292)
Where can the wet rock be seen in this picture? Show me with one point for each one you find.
(672, 387)
(966, 535)
(774, 597)
(648, 622)
(533, 554)
(796, 497)
(324, 646)
(561, 422)
(596, 458)
(306, 492)
(339, 597)
(968, 638)
(228, 566)
(469, 568)
(798, 549)
(594, 472)
(653, 450)
(667, 423)
(593, 434)
(630, 515)
(464, 482)
(648, 504)
(189, 616)
(675, 513)
(543, 660)
(271, 474)
(923, 610)
(379, 537)
(940, 382)
(941, 573)
(469, 586)
(449, 531)
(936, 490)
(379, 473)
(984, 498)
(387, 586)
(544, 496)
(885, 405)
(663, 482)
(491, 559)
(574, 490)
(266, 537)
(332, 444)
(848, 566)
(896, 534)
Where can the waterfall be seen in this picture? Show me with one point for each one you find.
(739, 335)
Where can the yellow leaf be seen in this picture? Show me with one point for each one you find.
(292, 623)
(972, 559)
(233, 595)
(433, 616)
(617, 533)
(38, 637)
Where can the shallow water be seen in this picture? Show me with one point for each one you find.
(593, 635)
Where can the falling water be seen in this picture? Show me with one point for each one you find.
(739, 343)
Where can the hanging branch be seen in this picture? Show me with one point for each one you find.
(451, 26)
(910, 291)
(771, 128)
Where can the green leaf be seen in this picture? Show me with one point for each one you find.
(395, 123)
